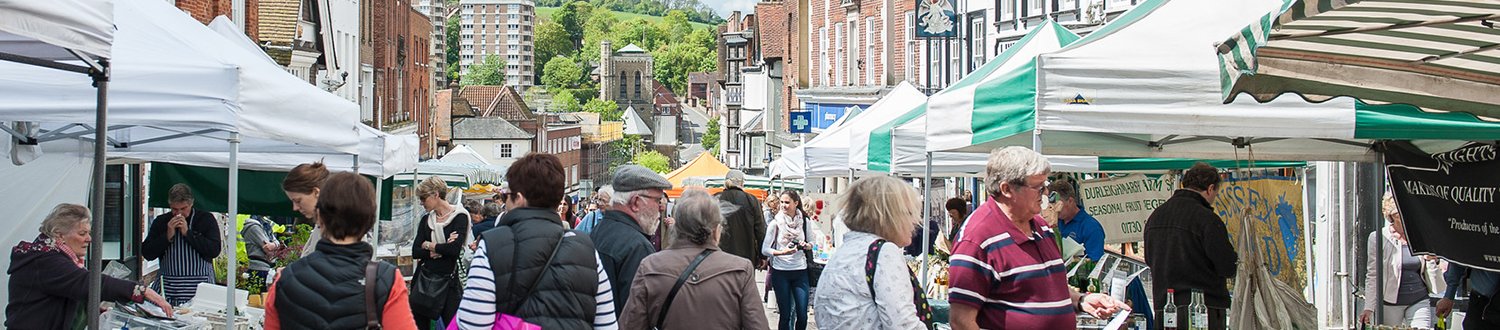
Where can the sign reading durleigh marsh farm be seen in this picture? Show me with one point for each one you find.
(1122, 204)
(1448, 200)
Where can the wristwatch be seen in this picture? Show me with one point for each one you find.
(139, 294)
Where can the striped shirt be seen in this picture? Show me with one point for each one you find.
(477, 310)
(1016, 281)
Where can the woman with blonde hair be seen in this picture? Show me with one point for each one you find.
(1409, 279)
(441, 236)
(868, 285)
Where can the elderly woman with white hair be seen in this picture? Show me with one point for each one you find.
(48, 282)
(870, 286)
(1006, 271)
(692, 284)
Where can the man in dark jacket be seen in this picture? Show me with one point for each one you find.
(1187, 247)
(746, 227)
(634, 213)
(187, 241)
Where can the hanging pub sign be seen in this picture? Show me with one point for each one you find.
(936, 19)
(1448, 200)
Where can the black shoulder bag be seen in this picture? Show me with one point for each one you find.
(814, 269)
(681, 279)
(924, 312)
(372, 309)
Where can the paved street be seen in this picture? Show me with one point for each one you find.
(771, 308)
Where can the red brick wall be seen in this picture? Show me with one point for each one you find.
(205, 10)
(892, 43)
(418, 73)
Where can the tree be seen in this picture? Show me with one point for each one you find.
(564, 101)
(598, 28)
(673, 62)
(711, 137)
(450, 55)
(608, 110)
(653, 160)
(489, 72)
(571, 17)
(676, 25)
(639, 32)
(704, 38)
(562, 73)
(551, 41)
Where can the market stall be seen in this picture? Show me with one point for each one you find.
(1439, 56)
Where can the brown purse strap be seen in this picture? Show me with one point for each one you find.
(372, 311)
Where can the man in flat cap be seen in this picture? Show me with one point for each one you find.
(634, 213)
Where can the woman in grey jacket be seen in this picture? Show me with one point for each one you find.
(1408, 280)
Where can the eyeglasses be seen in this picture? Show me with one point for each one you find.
(1040, 189)
(662, 199)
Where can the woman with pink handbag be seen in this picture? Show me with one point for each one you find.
(530, 272)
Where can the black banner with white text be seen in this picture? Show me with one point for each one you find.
(1448, 200)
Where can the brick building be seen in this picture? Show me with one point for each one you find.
(437, 10)
(502, 28)
(625, 77)
(205, 10)
(400, 46)
(417, 78)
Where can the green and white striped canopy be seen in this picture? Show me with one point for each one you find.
(1438, 55)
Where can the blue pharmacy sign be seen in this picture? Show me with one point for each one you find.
(936, 19)
(824, 115)
(801, 121)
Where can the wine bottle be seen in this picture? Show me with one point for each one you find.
(1198, 312)
(1169, 313)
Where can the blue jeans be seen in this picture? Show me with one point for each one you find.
(791, 288)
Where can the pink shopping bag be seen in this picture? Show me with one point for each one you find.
(503, 322)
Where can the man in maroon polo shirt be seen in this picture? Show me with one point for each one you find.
(1007, 271)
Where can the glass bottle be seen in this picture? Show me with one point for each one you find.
(1169, 313)
(1198, 312)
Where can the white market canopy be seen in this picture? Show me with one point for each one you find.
(53, 30)
(178, 86)
(463, 154)
(828, 154)
(1128, 90)
(789, 166)
(1437, 55)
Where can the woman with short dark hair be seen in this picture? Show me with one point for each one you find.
(530, 266)
(326, 289)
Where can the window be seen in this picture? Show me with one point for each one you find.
(1035, 8)
(955, 59)
(823, 69)
(934, 58)
(838, 54)
(870, 42)
(976, 41)
(852, 52)
(512, 8)
(909, 63)
(622, 77)
(637, 84)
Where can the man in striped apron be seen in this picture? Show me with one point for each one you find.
(186, 240)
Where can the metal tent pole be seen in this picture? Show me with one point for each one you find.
(234, 205)
(96, 251)
(926, 214)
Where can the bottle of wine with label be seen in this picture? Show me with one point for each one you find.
(1169, 312)
(1198, 312)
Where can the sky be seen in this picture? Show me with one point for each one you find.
(724, 7)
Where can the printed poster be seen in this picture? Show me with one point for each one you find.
(1274, 209)
(1448, 201)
